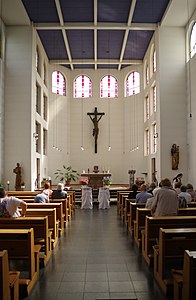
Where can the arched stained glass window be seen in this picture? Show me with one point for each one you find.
(58, 83)
(133, 84)
(109, 87)
(82, 87)
(193, 41)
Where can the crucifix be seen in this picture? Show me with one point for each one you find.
(95, 117)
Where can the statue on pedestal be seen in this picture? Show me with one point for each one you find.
(131, 177)
(175, 156)
(18, 180)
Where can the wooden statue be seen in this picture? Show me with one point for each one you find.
(18, 180)
(95, 118)
(175, 156)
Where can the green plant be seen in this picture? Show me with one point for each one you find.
(1, 185)
(66, 174)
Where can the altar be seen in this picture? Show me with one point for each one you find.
(95, 180)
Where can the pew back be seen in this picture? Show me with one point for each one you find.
(150, 233)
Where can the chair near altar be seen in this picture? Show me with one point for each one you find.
(87, 198)
(104, 198)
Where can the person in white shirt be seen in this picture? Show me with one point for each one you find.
(12, 204)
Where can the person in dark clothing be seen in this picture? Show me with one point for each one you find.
(134, 192)
(59, 193)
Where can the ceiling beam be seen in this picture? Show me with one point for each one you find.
(98, 62)
(98, 26)
(60, 15)
(131, 12)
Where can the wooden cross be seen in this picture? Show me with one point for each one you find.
(95, 117)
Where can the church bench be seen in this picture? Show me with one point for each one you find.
(19, 194)
(132, 216)
(72, 196)
(184, 280)
(119, 200)
(189, 211)
(64, 206)
(150, 233)
(23, 255)
(192, 204)
(9, 281)
(52, 220)
(127, 211)
(169, 252)
(123, 207)
(139, 224)
(59, 212)
(42, 234)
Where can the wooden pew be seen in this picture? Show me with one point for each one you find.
(19, 194)
(42, 234)
(119, 200)
(64, 206)
(184, 280)
(72, 195)
(132, 216)
(169, 251)
(139, 224)
(9, 281)
(20, 246)
(52, 220)
(59, 212)
(189, 211)
(192, 204)
(150, 233)
(127, 211)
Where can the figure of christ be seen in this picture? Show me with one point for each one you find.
(95, 118)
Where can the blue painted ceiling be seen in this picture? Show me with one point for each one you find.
(95, 33)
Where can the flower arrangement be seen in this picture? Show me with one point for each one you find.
(107, 180)
(83, 181)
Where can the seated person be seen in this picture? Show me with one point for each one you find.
(9, 206)
(191, 191)
(150, 200)
(42, 197)
(59, 193)
(151, 188)
(143, 195)
(134, 192)
(184, 194)
(46, 190)
(166, 200)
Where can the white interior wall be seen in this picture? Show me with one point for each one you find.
(114, 129)
(18, 72)
(173, 113)
(2, 85)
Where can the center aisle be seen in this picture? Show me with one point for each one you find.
(96, 259)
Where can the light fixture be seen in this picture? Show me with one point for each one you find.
(155, 135)
(35, 135)
(109, 148)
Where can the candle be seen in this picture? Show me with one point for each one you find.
(8, 182)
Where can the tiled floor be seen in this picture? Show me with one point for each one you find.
(96, 259)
